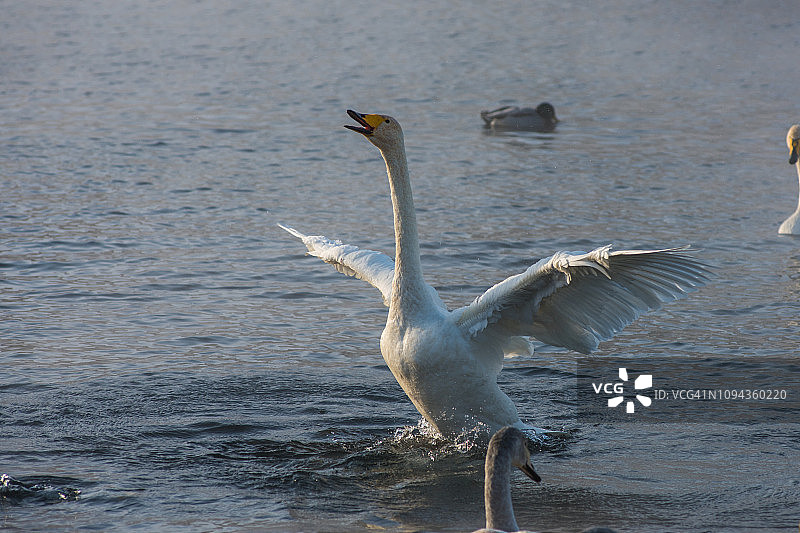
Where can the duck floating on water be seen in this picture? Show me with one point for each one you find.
(541, 118)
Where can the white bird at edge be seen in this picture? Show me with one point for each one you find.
(446, 361)
(507, 448)
(791, 226)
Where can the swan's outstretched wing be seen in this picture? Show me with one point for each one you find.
(375, 268)
(577, 300)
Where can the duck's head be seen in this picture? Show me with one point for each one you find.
(382, 130)
(547, 111)
(793, 142)
(512, 441)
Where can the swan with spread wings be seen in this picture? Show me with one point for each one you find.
(446, 361)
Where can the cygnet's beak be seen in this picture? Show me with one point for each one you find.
(368, 122)
(528, 470)
(795, 148)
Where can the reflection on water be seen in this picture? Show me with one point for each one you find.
(171, 358)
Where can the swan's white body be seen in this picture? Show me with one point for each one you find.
(540, 118)
(791, 226)
(447, 362)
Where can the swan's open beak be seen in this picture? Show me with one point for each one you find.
(528, 470)
(795, 150)
(368, 122)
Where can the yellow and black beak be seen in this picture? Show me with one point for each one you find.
(368, 122)
(528, 470)
(795, 149)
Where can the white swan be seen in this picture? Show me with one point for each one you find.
(791, 226)
(447, 361)
(507, 448)
(542, 118)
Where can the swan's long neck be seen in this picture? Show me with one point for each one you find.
(497, 491)
(408, 287)
(797, 164)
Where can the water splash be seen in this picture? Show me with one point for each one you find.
(16, 491)
(423, 436)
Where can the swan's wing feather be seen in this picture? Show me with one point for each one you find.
(375, 268)
(576, 300)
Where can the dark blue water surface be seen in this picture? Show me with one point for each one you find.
(171, 361)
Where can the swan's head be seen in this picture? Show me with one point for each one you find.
(793, 142)
(512, 443)
(546, 111)
(382, 130)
